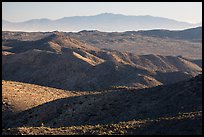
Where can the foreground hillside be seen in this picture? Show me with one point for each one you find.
(188, 123)
(18, 97)
(62, 62)
(121, 111)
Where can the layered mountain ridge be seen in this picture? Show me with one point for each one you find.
(99, 83)
(63, 62)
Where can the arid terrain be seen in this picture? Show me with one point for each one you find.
(186, 43)
(92, 82)
(126, 111)
(75, 65)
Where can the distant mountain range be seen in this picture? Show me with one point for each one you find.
(101, 22)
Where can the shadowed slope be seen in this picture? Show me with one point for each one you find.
(114, 106)
(147, 111)
(62, 62)
(181, 124)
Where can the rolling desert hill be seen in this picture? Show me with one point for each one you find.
(122, 111)
(62, 62)
(100, 83)
(186, 43)
(103, 22)
(196, 61)
(17, 96)
(192, 34)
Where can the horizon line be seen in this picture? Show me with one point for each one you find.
(97, 15)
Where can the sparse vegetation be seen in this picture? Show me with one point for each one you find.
(114, 107)
(82, 89)
(135, 127)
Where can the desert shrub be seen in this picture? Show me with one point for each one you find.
(80, 102)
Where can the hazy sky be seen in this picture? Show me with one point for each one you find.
(21, 11)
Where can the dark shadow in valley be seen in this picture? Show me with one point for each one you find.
(18, 46)
(114, 106)
(68, 72)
